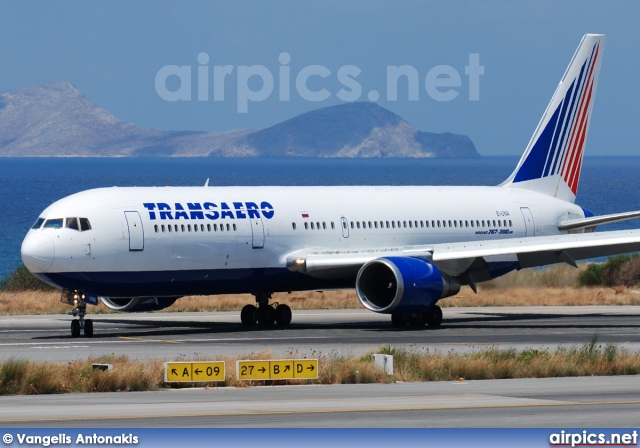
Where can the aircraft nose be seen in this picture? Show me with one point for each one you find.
(38, 252)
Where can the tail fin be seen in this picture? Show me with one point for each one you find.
(552, 161)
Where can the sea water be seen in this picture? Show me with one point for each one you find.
(29, 185)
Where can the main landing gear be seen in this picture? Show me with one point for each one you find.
(265, 314)
(432, 317)
(81, 324)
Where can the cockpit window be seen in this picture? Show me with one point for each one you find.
(84, 224)
(38, 223)
(72, 223)
(55, 223)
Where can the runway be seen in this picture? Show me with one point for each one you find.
(344, 332)
(555, 402)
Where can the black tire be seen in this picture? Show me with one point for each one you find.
(283, 315)
(417, 318)
(398, 320)
(88, 328)
(266, 316)
(249, 315)
(75, 328)
(434, 316)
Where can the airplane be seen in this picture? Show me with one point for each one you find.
(403, 248)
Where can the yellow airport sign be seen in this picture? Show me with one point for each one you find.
(194, 371)
(305, 368)
(277, 369)
(253, 370)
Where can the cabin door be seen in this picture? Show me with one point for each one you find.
(529, 225)
(136, 232)
(257, 233)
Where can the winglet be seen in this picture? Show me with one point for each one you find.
(552, 162)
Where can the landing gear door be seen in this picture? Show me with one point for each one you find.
(136, 232)
(257, 233)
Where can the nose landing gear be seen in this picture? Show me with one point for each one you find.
(81, 324)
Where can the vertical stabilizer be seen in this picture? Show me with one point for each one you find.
(552, 162)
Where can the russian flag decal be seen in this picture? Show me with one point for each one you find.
(305, 215)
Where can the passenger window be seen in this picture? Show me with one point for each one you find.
(156, 228)
(72, 223)
(333, 226)
(53, 223)
(168, 228)
(293, 225)
(162, 227)
(228, 228)
(306, 226)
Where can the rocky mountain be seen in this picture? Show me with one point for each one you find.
(56, 119)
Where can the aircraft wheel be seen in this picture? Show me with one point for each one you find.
(398, 321)
(266, 316)
(75, 328)
(249, 315)
(417, 318)
(283, 315)
(88, 328)
(434, 316)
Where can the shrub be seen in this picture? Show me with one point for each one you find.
(621, 270)
(23, 280)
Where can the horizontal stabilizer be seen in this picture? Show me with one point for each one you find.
(593, 221)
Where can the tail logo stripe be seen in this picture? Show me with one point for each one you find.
(552, 161)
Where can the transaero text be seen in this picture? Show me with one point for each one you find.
(209, 210)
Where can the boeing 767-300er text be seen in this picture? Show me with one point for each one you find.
(403, 248)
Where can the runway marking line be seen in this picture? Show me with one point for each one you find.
(131, 338)
(334, 411)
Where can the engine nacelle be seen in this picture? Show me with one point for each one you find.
(138, 304)
(402, 285)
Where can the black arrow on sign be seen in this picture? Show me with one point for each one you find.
(262, 370)
(174, 372)
(287, 368)
(197, 371)
(310, 368)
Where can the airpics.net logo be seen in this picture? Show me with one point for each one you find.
(256, 83)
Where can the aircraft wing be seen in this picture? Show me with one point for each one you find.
(465, 257)
(543, 250)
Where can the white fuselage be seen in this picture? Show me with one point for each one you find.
(209, 240)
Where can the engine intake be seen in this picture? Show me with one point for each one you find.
(402, 285)
(138, 304)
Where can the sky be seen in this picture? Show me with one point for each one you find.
(486, 69)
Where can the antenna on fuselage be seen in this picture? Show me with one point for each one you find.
(206, 184)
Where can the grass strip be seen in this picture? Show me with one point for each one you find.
(24, 377)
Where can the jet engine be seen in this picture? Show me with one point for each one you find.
(138, 304)
(402, 285)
